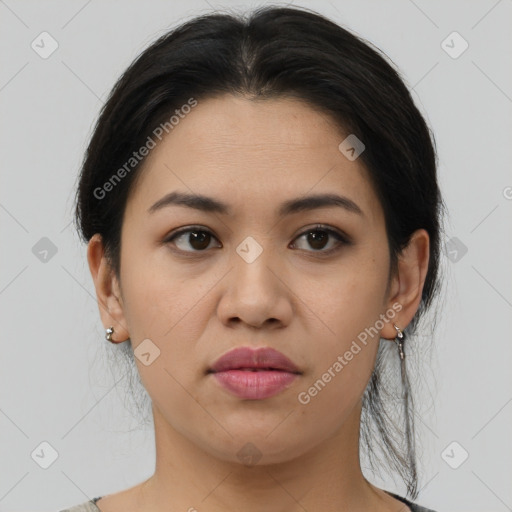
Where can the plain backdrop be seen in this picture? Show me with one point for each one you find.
(58, 394)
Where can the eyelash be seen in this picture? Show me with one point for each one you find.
(341, 239)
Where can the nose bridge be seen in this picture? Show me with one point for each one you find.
(253, 261)
(255, 292)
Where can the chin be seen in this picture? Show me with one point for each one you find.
(251, 447)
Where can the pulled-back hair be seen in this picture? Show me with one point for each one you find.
(276, 52)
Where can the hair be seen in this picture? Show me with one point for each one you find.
(281, 52)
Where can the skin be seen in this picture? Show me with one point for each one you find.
(254, 155)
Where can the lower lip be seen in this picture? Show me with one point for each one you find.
(255, 385)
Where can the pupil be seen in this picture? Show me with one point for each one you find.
(198, 240)
(316, 237)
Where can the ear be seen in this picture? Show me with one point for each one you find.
(407, 284)
(107, 289)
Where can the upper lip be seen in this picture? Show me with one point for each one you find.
(247, 357)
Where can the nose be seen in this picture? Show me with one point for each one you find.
(256, 293)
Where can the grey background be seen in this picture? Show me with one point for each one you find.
(55, 380)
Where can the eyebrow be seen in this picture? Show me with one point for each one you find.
(300, 204)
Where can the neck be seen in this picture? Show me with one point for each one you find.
(327, 477)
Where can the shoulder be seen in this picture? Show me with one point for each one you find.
(88, 506)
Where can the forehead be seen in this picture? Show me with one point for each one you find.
(253, 153)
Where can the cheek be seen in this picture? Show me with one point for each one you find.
(347, 305)
(169, 306)
(345, 348)
(156, 295)
(349, 296)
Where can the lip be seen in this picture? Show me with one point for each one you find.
(254, 374)
(260, 358)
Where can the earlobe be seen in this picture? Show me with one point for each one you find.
(107, 288)
(408, 283)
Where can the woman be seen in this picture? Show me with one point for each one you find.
(263, 219)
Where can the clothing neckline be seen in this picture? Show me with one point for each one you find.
(410, 504)
(400, 498)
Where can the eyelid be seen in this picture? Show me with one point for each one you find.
(329, 229)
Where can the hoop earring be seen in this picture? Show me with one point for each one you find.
(108, 334)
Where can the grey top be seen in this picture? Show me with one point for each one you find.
(90, 506)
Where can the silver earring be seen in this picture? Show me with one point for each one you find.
(399, 340)
(406, 394)
(108, 334)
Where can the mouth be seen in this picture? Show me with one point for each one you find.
(254, 374)
(253, 369)
(249, 359)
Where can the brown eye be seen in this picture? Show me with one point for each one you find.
(197, 239)
(318, 239)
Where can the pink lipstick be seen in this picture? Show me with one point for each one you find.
(254, 374)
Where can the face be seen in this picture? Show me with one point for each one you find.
(253, 276)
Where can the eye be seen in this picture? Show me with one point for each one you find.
(196, 237)
(200, 238)
(318, 238)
